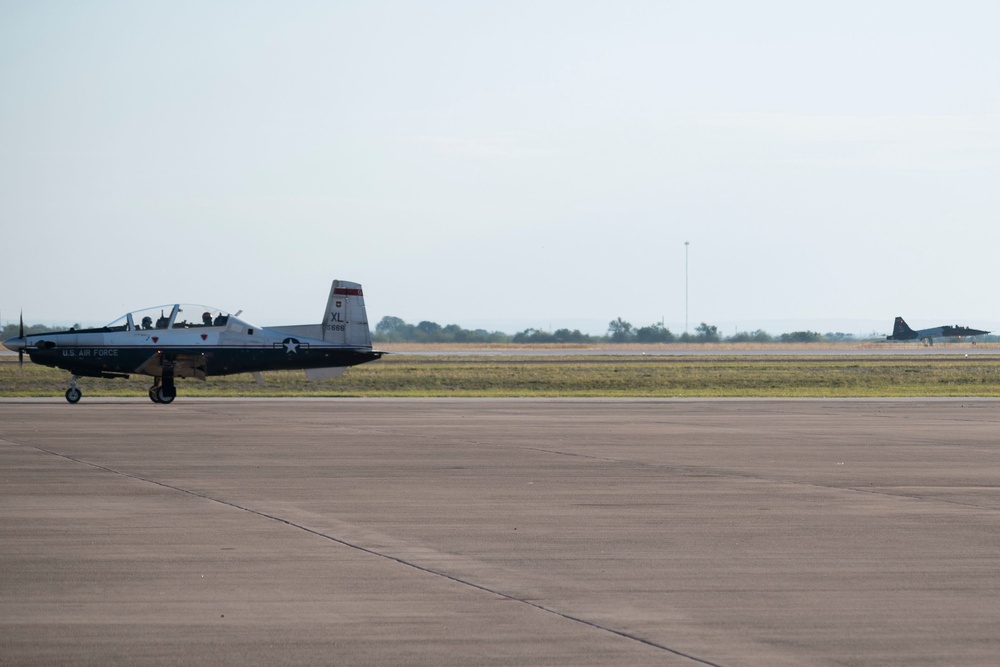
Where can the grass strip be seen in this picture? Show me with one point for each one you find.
(574, 376)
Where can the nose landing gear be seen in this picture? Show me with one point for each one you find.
(73, 394)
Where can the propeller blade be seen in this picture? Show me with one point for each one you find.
(20, 352)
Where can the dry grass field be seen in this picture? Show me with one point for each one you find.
(531, 371)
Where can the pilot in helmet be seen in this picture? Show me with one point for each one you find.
(206, 318)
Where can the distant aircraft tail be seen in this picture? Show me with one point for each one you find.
(345, 321)
(901, 331)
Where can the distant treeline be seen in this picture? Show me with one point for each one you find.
(10, 330)
(396, 330)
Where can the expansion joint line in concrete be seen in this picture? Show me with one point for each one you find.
(389, 557)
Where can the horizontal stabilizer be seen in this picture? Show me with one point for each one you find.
(325, 373)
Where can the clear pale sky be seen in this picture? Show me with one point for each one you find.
(504, 164)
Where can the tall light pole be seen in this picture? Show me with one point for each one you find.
(686, 244)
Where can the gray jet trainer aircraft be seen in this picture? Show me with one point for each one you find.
(901, 331)
(185, 341)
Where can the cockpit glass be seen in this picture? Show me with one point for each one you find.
(121, 324)
(173, 316)
(189, 316)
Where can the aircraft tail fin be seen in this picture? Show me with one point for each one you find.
(902, 331)
(345, 321)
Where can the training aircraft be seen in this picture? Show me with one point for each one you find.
(901, 331)
(185, 341)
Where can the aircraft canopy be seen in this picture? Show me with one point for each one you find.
(174, 316)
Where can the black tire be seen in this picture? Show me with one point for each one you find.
(73, 395)
(166, 394)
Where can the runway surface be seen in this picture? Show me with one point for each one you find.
(500, 532)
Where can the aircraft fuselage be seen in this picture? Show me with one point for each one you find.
(901, 331)
(102, 355)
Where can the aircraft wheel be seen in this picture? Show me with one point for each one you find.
(73, 395)
(152, 395)
(166, 394)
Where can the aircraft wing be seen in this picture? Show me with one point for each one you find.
(185, 365)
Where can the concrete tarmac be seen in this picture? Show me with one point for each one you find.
(500, 532)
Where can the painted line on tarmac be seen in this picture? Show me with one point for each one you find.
(415, 566)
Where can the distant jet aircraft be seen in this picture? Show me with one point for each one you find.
(183, 341)
(901, 331)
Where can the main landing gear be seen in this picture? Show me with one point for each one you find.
(163, 390)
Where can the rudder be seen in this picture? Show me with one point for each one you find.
(901, 331)
(345, 321)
